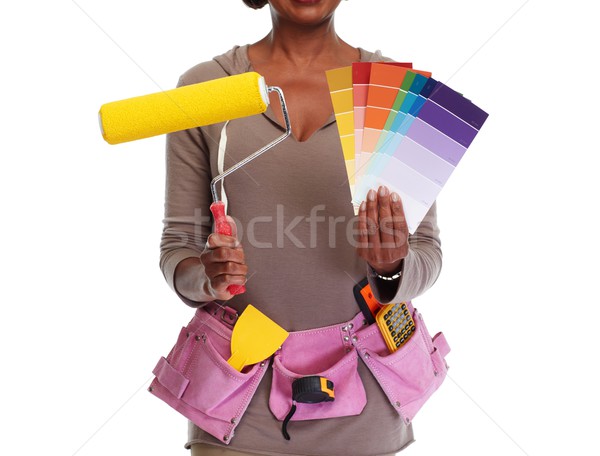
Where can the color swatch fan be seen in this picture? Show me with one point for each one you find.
(403, 129)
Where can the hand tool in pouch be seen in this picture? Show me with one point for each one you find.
(396, 325)
(308, 390)
(255, 337)
(367, 303)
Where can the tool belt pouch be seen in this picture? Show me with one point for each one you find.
(325, 352)
(196, 380)
(410, 375)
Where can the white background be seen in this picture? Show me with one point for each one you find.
(86, 313)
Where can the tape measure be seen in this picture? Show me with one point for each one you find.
(308, 390)
(312, 390)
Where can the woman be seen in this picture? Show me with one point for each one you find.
(296, 243)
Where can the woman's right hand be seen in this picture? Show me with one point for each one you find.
(224, 263)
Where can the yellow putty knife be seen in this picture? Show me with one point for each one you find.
(255, 337)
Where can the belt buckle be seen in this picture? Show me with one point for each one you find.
(225, 314)
(229, 315)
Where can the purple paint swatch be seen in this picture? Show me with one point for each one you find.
(414, 184)
(447, 123)
(436, 142)
(458, 105)
(424, 161)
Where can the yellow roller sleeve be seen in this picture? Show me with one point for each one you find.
(186, 107)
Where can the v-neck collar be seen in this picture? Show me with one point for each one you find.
(269, 114)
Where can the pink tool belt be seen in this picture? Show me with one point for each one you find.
(196, 380)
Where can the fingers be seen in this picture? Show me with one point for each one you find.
(363, 238)
(373, 220)
(386, 223)
(399, 221)
(382, 229)
(224, 262)
(224, 266)
(225, 255)
(221, 283)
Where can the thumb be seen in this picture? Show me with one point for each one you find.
(234, 230)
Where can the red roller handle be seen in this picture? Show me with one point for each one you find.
(222, 226)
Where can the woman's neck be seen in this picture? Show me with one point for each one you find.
(300, 46)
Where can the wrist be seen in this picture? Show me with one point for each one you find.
(388, 272)
(389, 278)
(387, 269)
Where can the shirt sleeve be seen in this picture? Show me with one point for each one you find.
(420, 269)
(187, 223)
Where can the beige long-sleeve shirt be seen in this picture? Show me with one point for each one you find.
(296, 224)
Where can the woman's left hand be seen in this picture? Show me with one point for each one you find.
(382, 231)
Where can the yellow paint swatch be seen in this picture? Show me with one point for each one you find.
(340, 88)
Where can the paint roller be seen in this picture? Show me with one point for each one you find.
(192, 106)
